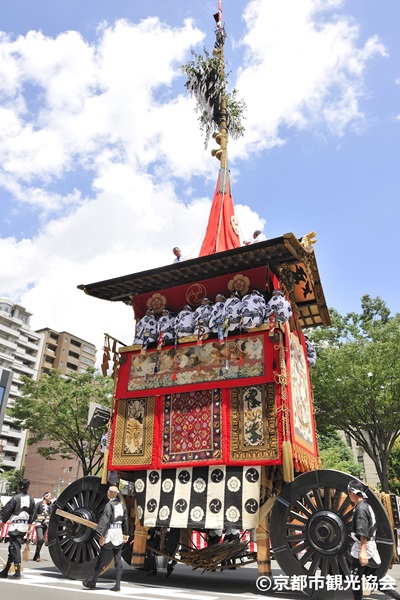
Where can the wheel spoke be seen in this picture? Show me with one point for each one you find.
(298, 517)
(318, 499)
(306, 500)
(302, 509)
(307, 556)
(327, 498)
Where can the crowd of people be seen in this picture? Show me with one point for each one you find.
(221, 317)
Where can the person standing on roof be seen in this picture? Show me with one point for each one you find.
(258, 236)
(178, 254)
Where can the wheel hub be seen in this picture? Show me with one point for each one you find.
(78, 532)
(326, 532)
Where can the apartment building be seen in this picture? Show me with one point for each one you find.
(65, 352)
(19, 350)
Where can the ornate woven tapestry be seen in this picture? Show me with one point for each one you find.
(133, 440)
(192, 427)
(235, 358)
(303, 433)
(253, 424)
(199, 498)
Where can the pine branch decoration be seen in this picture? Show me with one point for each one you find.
(206, 85)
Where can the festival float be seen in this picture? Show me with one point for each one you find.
(212, 424)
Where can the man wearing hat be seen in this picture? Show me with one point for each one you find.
(19, 511)
(113, 530)
(41, 518)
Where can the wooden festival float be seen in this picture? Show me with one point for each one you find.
(217, 430)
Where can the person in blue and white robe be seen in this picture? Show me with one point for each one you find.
(216, 319)
(232, 313)
(201, 318)
(166, 328)
(146, 329)
(253, 310)
(184, 322)
(279, 306)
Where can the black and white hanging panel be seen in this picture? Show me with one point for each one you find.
(199, 497)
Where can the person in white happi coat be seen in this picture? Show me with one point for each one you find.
(253, 310)
(184, 322)
(113, 530)
(165, 328)
(278, 306)
(201, 318)
(146, 329)
(232, 313)
(19, 511)
(216, 319)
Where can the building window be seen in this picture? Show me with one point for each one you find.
(72, 367)
(88, 349)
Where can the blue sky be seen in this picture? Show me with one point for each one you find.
(103, 167)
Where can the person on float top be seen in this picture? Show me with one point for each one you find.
(232, 313)
(253, 310)
(311, 353)
(146, 329)
(19, 512)
(258, 236)
(178, 254)
(165, 328)
(113, 529)
(216, 318)
(41, 518)
(201, 317)
(280, 307)
(184, 322)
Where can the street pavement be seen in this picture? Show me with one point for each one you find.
(44, 582)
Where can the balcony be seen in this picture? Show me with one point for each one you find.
(11, 332)
(10, 344)
(20, 353)
(21, 368)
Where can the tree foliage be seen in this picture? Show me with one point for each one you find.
(13, 478)
(394, 468)
(357, 379)
(56, 408)
(335, 454)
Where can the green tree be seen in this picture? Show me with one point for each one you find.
(56, 408)
(335, 454)
(13, 478)
(394, 468)
(357, 379)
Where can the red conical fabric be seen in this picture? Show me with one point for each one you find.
(222, 230)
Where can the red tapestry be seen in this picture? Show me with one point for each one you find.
(192, 427)
(176, 297)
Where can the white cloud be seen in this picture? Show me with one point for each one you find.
(303, 68)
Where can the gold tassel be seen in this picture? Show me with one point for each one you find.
(104, 476)
(287, 461)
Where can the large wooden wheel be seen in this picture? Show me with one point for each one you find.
(73, 546)
(311, 526)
